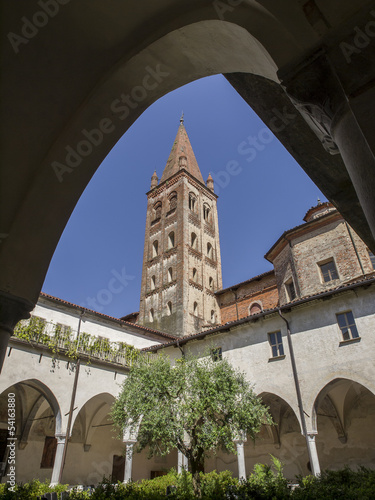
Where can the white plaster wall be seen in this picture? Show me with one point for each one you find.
(25, 363)
(92, 325)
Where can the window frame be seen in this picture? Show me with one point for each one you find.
(254, 304)
(348, 326)
(194, 241)
(216, 354)
(322, 274)
(170, 275)
(276, 352)
(155, 249)
(290, 286)
(171, 240)
(169, 308)
(151, 315)
(195, 308)
(210, 251)
(192, 202)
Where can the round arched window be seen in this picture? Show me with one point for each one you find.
(255, 308)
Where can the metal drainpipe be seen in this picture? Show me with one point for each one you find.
(298, 391)
(72, 400)
(235, 299)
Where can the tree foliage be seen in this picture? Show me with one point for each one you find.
(198, 406)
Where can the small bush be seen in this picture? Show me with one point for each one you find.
(344, 484)
(29, 491)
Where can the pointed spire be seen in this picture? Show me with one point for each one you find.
(181, 156)
(154, 180)
(210, 182)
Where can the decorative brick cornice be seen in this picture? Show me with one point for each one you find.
(169, 253)
(170, 221)
(155, 221)
(154, 230)
(208, 229)
(194, 219)
(154, 261)
(196, 285)
(210, 292)
(169, 182)
(196, 254)
(170, 212)
(169, 285)
(152, 292)
(211, 262)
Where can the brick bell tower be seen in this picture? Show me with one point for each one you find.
(181, 260)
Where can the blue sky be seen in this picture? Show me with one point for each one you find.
(262, 192)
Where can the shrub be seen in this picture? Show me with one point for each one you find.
(29, 491)
(344, 484)
(266, 482)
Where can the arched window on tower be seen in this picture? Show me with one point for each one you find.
(151, 315)
(170, 275)
(195, 308)
(207, 212)
(209, 251)
(194, 241)
(195, 274)
(211, 283)
(171, 240)
(213, 316)
(153, 282)
(255, 308)
(172, 200)
(192, 202)
(155, 249)
(169, 308)
(157, 210)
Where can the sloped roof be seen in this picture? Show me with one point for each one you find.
(181, 147)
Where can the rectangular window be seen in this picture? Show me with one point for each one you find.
(216, 354)
(329, 271)
(49, 452)
(372, 258)
(290, 290)
(276, 343)
(347, 325)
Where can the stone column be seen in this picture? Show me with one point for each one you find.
(58, 459)
(182, 462)
(128, 461)
(241, 458)
(12, 310)
(313, 453)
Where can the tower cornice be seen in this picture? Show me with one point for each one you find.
(175, 178)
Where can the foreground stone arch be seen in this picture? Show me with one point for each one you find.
(100, 54)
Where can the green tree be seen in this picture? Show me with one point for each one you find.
(198, 406)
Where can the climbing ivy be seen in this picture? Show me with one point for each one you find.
(59, 339)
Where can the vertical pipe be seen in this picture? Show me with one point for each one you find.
(312, 456)
(69, 419)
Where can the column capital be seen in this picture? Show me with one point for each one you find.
(60, 438)
(316, 92)
(12, 310)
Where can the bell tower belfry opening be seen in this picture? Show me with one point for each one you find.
(181, 260)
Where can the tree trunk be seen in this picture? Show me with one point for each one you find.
(197, 466)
